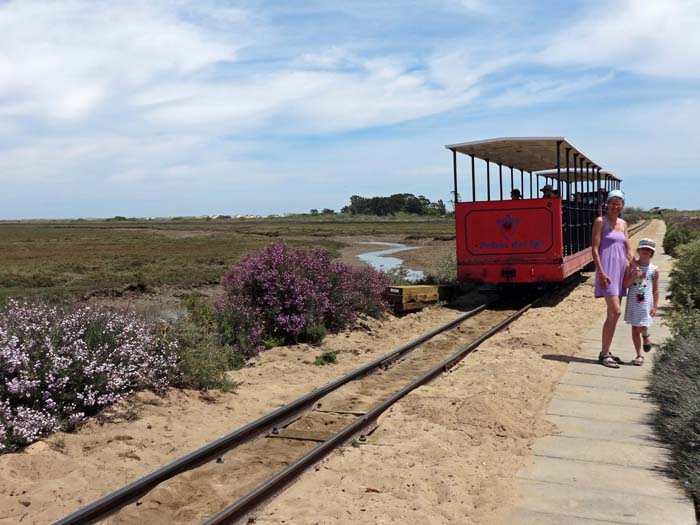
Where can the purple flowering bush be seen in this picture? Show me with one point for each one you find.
(58, 366)
(286, 295)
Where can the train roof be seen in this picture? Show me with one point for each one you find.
(533, 154)
(577, 175)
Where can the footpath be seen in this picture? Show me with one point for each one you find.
(604, 465)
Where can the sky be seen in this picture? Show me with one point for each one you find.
(169, 108)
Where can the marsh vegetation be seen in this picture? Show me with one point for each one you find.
(68, 260)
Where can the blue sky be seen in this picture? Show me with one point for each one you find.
(201, 107)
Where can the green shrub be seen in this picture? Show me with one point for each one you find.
(202, 360)
(313, 333)
(271, 341)
(398, 276)
(199, 311)
(675, 379)
(240, 329)
(445, 271)
(326, 358)
(684, 323)
(685, 277)
(675, 387)
(676, 236)
(633, 214)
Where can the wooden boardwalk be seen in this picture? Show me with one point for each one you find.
(605, 465)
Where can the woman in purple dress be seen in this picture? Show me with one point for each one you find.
(611, 255)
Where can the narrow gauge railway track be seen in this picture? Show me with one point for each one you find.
(638, 228)
(268, 423)
(242, 507)
(309, 427)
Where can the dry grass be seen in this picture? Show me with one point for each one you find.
(77, 259)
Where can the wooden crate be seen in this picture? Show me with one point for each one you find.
(415, 297)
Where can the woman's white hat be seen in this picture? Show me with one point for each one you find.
(615, 193)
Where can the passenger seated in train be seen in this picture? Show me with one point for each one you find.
(515, 194)
(547, 191)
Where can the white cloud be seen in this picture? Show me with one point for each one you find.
(372, 92)
(477, 6)
(63, 59)
(466, 65)
(152, 64)
(658, 139)
(650, 37)
(380, 92)
(539, 91)
(330, 57)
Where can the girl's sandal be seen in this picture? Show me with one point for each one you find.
(638, 361)
(647, 345)
(618, 360)
(607, 360)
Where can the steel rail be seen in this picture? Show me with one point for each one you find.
(265, 490)
(109, 503)
(633, 231)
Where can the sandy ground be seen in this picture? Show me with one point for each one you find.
(202, 492)
(449, 451)
(446, 453)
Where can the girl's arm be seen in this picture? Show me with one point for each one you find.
(655, 292)
(629, 276)
(595, 250)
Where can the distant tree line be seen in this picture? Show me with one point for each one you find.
(324, 211)
(397, 203)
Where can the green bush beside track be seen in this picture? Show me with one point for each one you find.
(675, 378)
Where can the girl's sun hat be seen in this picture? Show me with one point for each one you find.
(647, 243)
(615, 193)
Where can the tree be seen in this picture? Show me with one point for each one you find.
(414, 205)
(438, 208)
(396, 203)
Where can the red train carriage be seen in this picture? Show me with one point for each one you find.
(521, 236)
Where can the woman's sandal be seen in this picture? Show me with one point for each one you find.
(638, 361)
(646, 346)
(608, 360)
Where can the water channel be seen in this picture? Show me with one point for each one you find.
(378, 259)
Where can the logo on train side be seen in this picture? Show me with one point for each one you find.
(507, 226)
(511, 237)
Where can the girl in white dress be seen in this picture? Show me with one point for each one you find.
(642, 283)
